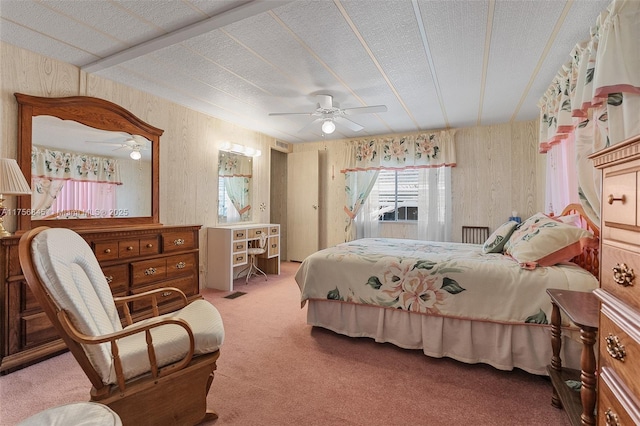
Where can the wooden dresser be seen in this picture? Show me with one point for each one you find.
(227, 252)
(133, 259)
(619, 292)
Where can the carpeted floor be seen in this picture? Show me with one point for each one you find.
(275, 369)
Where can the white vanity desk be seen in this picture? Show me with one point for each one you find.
(227, 252)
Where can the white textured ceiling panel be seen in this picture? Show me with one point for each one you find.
(518, 38)
(434, 64)
(456, 34)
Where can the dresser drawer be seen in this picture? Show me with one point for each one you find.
(239, 234)
(117, 277)
(273, 246)
(106, 250)
(149, 246)
(255, 233)
(188, 285)
(619, 351)
(148, 271)
(239, 246)
(619, 193)
(128, 248)
(178, 241)
(615, 406)
(613, 257)
(28, 300)
(181, 264)
(239, 259)
(37, 330)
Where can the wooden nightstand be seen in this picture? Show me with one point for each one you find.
(582, 309)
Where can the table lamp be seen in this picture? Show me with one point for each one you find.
(12, 182)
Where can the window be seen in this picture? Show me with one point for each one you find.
(398, 195)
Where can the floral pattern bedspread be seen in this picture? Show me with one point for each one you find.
(434, 278)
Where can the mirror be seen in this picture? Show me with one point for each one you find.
(234, 187)
(81, 156)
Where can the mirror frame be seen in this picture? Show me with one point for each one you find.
(92, 112)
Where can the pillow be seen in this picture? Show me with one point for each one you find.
(499, 237)
(544, 241)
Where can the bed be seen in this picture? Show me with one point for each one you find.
(455, 300)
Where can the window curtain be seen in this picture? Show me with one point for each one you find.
(51, 168)
(593, 102)
(434, 204)
(424, 150)
(86, 199)
(236, 170)
(358, 188)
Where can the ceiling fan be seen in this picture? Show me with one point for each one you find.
(330, 114)
(135, 143)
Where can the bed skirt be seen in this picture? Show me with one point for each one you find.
(503, 346)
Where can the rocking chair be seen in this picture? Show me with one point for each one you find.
(157, 371)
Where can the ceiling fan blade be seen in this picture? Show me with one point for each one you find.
(290, 113)
(310, 125)
(368, 109)
(325, 101)
(348, 123)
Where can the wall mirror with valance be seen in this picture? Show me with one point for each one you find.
(90, 162)
(235, 181)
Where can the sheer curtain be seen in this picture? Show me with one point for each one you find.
(367, 220)
(434, 204)
(358, 187)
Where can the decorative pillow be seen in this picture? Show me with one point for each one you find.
(544, 241)
(499, 237)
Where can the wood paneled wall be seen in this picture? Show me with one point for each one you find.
(498, 171)
(188, 147)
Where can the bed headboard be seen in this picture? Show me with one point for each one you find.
(589, 259)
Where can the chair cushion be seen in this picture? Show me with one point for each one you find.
(72, 275)
(171, 342)
(76, 414)
(76, 282)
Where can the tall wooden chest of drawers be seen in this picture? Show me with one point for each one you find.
(619, 292)
(133, 260)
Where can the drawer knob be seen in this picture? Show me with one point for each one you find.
(109, 279)
(178, 242)
(129, 248)
(611, 418)
(611, 199)
(166, 293)
(149, 245)
(107, 251)
(615, 348)
(150, 271)
(623, 275)
(181, 265)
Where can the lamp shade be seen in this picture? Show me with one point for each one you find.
(12, 181)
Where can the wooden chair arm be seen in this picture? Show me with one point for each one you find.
(151, 294)
(112, 338)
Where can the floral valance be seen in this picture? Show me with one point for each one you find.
(234, 165)
(54, 164)
(599, 84)
(399, 152)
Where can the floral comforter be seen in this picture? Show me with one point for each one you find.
(433, 278)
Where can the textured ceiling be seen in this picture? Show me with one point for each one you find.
(434, 64)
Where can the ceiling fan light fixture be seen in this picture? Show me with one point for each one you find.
(328, 127)
(135, 155)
